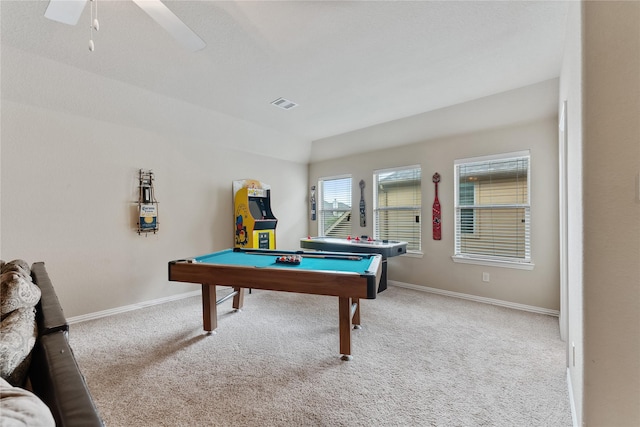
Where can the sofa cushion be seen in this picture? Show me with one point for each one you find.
(21, 408)
(19, 334)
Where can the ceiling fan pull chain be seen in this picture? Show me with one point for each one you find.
(69, 12)
(93, 24)
(96, 24)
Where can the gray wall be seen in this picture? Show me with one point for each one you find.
(611, 150)
(69, 183)
(536, 288)
(600, 84)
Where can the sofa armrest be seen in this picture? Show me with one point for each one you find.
(49, 314)
(57, 380)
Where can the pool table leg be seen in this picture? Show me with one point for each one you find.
(355, 315)
(349, 313)
(209, 308)
(238, 298)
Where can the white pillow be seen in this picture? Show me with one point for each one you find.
(21, 408)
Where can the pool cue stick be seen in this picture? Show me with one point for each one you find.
(349, 257)
(303, 255)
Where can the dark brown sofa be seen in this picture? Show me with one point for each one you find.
(54, 373)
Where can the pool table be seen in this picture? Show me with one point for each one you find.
(348, 276)
(386, 248)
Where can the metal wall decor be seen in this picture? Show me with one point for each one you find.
(147, 203)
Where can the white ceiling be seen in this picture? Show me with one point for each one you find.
(349, 65)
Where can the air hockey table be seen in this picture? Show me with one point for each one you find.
(363, 244)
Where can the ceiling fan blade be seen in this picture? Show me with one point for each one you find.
(170, 22)
(65, 11)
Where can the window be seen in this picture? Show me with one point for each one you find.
(334, 210)
(397, 206)
(492, 208)
(467, 198)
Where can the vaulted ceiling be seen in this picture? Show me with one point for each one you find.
(348, 64)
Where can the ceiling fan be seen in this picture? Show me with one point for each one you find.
(69, 11)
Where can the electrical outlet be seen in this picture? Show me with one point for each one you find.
(485, 277)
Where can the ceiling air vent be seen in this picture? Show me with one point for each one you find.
(285, 104)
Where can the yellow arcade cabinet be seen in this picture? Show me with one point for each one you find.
(255, 225)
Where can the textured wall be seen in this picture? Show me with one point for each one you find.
(435, 268)
(611, 213)
(69, 183)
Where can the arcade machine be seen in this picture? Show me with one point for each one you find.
(255, 225)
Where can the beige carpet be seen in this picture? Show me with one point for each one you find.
(420, 360)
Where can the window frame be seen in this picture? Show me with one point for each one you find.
(473, 223)
(377, 209)
(526, 262)
(320, 203)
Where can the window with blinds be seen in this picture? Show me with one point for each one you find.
(334, 207)
(397, 206)
(492, 208)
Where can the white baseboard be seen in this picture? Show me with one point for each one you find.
(491, 301)
(123, 309)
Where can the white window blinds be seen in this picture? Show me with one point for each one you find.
(334, 206)
(492, 207)
(397, 206)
